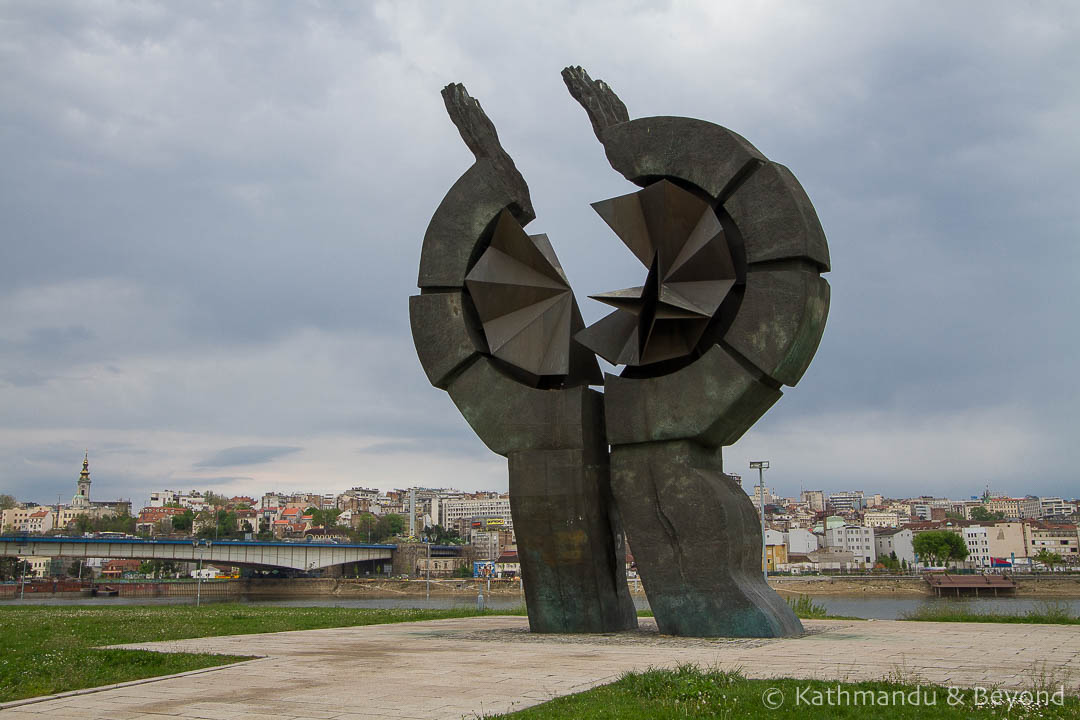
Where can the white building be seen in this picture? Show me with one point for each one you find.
(1055, 507)
(895, 540)
(39, 522)
(40, 566)
(800, 541)
(882, 519)
(452, 513)
(755, 493)
(161, 498)
(977, 539)
(193, 499)
(15, 519)
(847, 500)
(857, 540)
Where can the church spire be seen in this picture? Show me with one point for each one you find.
(82, 490)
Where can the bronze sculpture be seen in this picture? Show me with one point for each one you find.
(732, 307)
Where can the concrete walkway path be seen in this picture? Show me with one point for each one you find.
(465, 668)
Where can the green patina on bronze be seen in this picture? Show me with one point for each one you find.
(733, 307)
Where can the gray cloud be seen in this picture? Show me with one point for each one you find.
(246, 455)
(213, 218)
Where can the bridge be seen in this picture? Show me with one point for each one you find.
(301, 556)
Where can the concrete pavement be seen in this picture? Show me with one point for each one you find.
(465, 668)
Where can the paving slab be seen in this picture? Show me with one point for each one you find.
(469, 667)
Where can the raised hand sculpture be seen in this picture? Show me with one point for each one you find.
(493, 326)
(732, 307)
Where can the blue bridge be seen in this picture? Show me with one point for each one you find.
(299, 556)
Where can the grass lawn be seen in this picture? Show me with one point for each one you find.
(1048, 613)
(49, 649)
(690, 692)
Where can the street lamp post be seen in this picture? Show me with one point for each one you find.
(761, 466)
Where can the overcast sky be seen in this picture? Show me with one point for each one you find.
(212, 217)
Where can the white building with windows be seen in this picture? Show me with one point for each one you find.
(855, 539)
(882, 519)
(977, 539)
(453, 513)
(895, 540)
(163, 498)
(847, 500)
(1055, 507)
(800, 541)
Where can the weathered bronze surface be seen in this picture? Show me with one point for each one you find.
(756, 282)
(732, 307)
(493, 327)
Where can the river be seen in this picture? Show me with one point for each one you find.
(878, 608)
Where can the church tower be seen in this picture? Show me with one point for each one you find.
(82, 496)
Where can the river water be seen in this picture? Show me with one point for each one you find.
(879, 608)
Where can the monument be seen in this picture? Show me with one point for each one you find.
(732, 307)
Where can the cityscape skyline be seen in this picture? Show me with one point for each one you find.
(213, 216)
(253, 489)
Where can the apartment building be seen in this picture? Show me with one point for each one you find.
(847, 501)
(1061, 539)
(457, 512)
(1055, 507)
(15, 519)
(883, 519)
(162, 498)
(1016, 508)
(978, 545)
(856, 539)
(814, 500)
(895, 540)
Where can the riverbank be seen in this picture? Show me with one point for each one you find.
(1039, 587)
(870, 586)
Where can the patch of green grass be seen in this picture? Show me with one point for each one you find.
(691, 692)
(47, 650)
(1047, 613)
(806, 608)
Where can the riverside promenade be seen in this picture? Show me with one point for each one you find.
(469, 667)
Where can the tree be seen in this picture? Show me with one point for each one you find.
(183, 521)
(75, 569)
(388, 526)
(218, 524)
(1049, 559)
(158, 568)
(939, 547)
(12, 568)
(981, 514)
(365, 526)
(6, 501)
(214, 500)
(441, 536)
(121, 523)
(323, 518)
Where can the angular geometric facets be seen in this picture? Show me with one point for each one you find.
(677, 236)
(523, 299)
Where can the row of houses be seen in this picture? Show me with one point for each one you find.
(838, 545)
